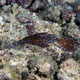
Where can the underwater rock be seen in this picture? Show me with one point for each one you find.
(4, 77)
(37, 5)
(42, 66)
(70, 1)
(69, 70)
(25, 3)
(25, 17)
(2, 2)
(51, 13)
(66, 15)
(10, 1)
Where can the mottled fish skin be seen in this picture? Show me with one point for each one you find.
(65, 43)
(44, 39)
(39, 39)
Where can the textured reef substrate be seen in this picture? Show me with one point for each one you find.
(39, 40)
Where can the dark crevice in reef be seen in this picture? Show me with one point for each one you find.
(55, 76)
(77, 23)
(31, 3)
(56, 73)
